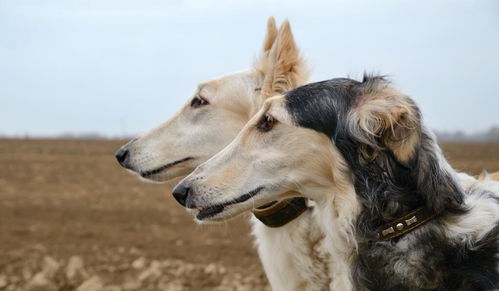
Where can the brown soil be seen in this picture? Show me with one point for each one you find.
(68, 200)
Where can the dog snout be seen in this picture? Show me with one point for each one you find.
(123, 156)
(181, 192)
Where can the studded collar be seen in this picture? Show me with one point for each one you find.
(405, 224)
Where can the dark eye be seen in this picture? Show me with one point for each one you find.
(198, 101)
(267, 123)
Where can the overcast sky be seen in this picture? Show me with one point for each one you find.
(121, 67)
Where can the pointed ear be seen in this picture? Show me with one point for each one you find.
(283, 68)
(271, 34)
(387, 119)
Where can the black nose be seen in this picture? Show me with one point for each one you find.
(181, 192)
(122, 155)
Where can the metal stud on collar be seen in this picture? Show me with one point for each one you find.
(388, 231)
(411, 220)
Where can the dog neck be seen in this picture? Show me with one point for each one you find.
(336, 214)
(389, 189)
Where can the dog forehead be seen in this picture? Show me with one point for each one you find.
(206, 89)
(225, 86)
(319, 106)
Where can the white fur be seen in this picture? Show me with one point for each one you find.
(336, 221)
(483, 211)
(293, 256)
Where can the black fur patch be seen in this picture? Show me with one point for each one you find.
(319, 106)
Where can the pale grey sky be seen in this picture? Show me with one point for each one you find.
(109, 66)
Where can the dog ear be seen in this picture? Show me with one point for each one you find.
(388, 120)
(271, 34)
(283, 68)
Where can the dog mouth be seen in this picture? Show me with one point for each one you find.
(211, 211)
(149, 173)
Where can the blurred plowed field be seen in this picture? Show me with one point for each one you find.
(72, 219)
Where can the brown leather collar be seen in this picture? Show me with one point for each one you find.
(277, 214)
(405, 224)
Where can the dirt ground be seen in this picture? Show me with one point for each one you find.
(72, 219)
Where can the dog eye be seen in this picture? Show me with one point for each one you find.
(267, 123)
(198, 101)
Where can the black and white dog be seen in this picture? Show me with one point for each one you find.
(393, 214)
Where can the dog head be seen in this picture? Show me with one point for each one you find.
(217, 111)
(328, 135)
(271, 157)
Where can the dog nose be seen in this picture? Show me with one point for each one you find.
(122, 155)
(181, 192)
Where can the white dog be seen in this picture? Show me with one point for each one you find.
(208, 122)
